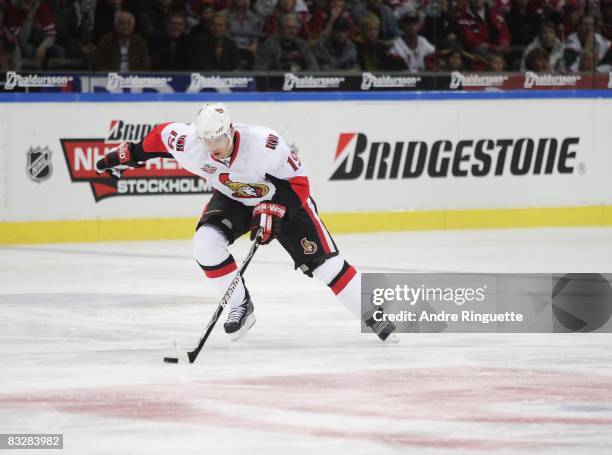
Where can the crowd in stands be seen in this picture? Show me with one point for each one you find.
(560, 36)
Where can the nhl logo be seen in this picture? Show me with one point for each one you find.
(39, 163)
(309, 247)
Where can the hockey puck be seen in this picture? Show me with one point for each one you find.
(170, 360)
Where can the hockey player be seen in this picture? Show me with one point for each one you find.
(259, 183)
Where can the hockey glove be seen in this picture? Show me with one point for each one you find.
(268, 216)
(117, 161)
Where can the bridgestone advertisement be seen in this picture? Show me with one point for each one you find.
(360, 156)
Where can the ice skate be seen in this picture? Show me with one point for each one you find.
(383, 329)
(240, 319)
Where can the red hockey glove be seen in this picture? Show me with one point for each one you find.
(115, 162)
(268, 216)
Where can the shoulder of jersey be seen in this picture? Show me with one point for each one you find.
(184, 128)
(177, 136)
(258, 136)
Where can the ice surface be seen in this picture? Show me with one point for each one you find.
(84, 328)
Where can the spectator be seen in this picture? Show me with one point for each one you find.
(441, 26)
(221, 53)
(410, 50)
(585, 40)
(454, 60)
(105, 17)
(336, 51)
(548, 42)
(272, 25)
(122, 50)
(244, 26)
(73, 26)
(389, 29)
(32, 23)
(537, 60)
(325, 14)
(496, 62)
(372, 52)
(8, 46)
(285, 51)
(523, 23)
(170, 50)
(200, 34)
(483, 29)
(153, 19)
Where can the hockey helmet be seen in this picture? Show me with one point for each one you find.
(213, 121)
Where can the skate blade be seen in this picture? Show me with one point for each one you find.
(393, 338)
(250, 320)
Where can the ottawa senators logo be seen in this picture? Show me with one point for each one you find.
(244, 190)
(309, 247)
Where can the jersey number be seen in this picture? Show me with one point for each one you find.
(293, 161)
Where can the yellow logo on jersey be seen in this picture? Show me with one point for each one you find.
(244, 190)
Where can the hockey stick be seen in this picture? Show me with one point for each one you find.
(193, 355)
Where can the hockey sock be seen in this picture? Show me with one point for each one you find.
(344, 281)
(210, 249)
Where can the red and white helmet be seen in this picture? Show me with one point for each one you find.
(212, 121)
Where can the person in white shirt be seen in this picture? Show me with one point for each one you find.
(260, 185)
(410, 49)
(585, 39)
(548, 42)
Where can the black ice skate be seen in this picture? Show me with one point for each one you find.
(383, 329)
(240, 319)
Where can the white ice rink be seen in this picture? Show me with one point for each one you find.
(84, 328)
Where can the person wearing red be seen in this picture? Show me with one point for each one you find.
(483, 29)
(31, 21)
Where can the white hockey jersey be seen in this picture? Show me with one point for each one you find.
(261, 168)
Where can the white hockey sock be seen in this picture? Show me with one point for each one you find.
(210, 250)
(344, 281)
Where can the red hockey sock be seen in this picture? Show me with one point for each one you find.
(344, 281)
(221, 276)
